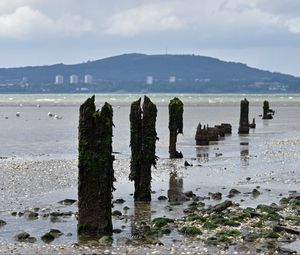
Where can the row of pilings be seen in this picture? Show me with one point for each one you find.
(96, 173)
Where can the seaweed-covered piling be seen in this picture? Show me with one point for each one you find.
(268, 113)
(175, 125)
(244, 119)
(96, 174)
(142, 141)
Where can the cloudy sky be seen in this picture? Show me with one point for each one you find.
(260, 33)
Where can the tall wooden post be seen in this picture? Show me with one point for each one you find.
(143, 143)
(244, 119)
(96, 174)
(175, 126)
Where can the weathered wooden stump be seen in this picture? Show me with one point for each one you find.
(143, 141)
(253, 124)
(227, 127)
(202, 137)
(96, 174)
(175, 191)
(268, 113)
(175, 126)
(244, 119)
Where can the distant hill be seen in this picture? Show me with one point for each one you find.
(128, 72)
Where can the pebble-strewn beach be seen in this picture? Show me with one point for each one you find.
(238, 192)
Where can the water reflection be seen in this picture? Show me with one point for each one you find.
(202, 153)
(244, 152)
(141, 219)
(175, 192)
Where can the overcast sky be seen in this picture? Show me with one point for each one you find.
(260, 33)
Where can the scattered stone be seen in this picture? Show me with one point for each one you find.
(222, 206)
(248, 178)
(279, 228)
(31, 215)
(186, 164)
(2, 223)
(67, 201)
(24, 237)
(234, 192)
(162, 198)
(189, 194)
(216, 196)
(119, 201)
(255, 193)
(116, 213)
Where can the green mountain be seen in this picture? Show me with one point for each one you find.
(128, 72)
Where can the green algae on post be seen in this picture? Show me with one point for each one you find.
(175, 125)
(244, 119)
(96, 174)
(143, 138)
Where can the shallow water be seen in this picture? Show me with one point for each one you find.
(271, 157)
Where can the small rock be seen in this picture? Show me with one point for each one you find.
(116, 213)
(119, 201)
(47, 238)
(186, 164)
(189, 194)
(216, 196)
(25, 237)
(162, 198)
(67, 201)
(105, 240)
(31, 215)
(255, 193)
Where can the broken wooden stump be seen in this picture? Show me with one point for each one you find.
(268, 113)
(253, 124)
(227, 127)
(142, 142)
(96, 174)
(175, 126)
(201, 136)
(244, 119)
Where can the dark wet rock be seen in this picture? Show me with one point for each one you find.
(255, 193)
(187, 230)
(55, 232)
(24, 237)
(250, 237)
(31, 215)
(2, 223)
(36, 209)
(161, 222)
(162, 198)
(69, 234)
(234, 192)
(48, 237)
(169, 208)
(61, 214)
(286, 251)
(117, 231)
(203, 198)
(244, 143)
(116, 213)
(119, 201)
(186, 164)
(14, 214)
(189, 194)
(216, 196)
(67, 201)
(222, 206)
(279, 228)
(126, 208)
(248, 178)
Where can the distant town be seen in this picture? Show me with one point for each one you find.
(147, 73)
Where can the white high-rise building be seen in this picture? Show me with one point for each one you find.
(74, 79)
(172, 79)
(88, 79)
(59, 79)
(149, 80)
